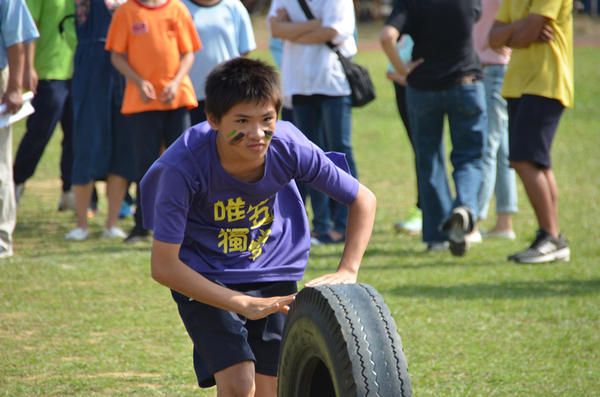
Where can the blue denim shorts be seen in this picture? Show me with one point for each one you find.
(532, 124)
(222, 338)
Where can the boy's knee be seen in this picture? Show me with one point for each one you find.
(236, 381)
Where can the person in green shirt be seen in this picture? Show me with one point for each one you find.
(53, 64)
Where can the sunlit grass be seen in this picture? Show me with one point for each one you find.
(85, 319)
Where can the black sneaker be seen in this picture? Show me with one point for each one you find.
(137, 234)
(458, 226)
(544, 249)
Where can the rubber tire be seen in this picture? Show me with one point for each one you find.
(341, 340)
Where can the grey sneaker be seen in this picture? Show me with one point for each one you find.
(19, 188)
(544, 249)
(67, 201)
(458, 226)
(438, 246)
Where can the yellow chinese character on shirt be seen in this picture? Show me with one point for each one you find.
(256, 245)
(234, 240)
(235, 210)
(260, 210)
(219, 208)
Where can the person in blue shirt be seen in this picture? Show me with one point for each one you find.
(225, 29)
(17, 30)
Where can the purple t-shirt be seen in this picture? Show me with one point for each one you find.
(233, 231)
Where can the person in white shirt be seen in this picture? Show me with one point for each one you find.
(313, 76)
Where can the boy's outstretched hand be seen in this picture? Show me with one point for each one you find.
(339, 277)
(261, 307)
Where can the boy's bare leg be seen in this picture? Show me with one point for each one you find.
(115, 191)
(554, 193)
(542, 191)
(266, 385)
(237, 380)
(83, 197)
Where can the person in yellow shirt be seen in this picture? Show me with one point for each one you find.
(538, 86)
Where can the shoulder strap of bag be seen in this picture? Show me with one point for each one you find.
(309, 15)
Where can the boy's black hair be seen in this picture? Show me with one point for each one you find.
(241, 80)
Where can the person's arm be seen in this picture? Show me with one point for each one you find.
(521, 33)
(144, 86)
(13, 96)
(30, 77)
(396, 78)
(320, 35)
(282, 28)
(170, 271)
(361, 217)
(169, 93)
(388, 38)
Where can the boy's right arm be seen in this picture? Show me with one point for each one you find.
(170, 271)
(144, 86)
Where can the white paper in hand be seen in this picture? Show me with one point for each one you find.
(26, 110)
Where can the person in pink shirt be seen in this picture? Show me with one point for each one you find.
(498, 177)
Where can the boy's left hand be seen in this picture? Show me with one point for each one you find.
(339, 277)
(167, 96)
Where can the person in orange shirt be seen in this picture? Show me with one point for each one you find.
(152, 43)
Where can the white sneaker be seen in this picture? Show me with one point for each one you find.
(114, 232)
(413, 225)
(78, 234)
(475, 237)
(503, 234)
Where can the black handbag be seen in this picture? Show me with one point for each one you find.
(361, 85)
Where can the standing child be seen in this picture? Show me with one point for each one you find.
(231, 236)
(102, 143)
(226, 31)
(153, 44)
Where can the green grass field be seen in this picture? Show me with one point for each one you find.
(85, 318)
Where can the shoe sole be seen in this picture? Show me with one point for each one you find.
(562, 255)
(457, 227)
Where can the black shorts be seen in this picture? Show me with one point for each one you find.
(222, 339)
(532, 123)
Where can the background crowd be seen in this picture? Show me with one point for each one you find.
(123, 91)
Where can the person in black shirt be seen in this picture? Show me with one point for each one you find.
(444, 78)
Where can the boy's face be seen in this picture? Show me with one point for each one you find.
(245, 131)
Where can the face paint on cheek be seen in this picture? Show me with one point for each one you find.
(237, 138)
(231, 134)
(268, 134)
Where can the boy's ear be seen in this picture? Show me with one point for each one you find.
(214, 124)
